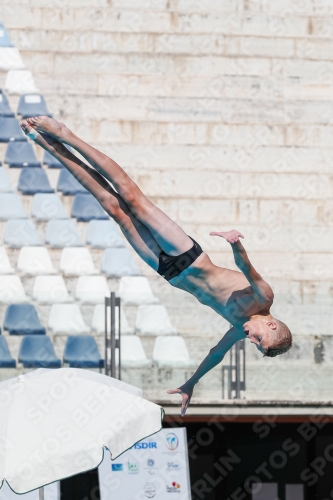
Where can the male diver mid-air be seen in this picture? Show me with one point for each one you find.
(243, 298)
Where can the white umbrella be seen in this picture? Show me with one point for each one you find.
(57, 423)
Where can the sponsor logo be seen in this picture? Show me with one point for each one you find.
(172, 466)
(149, 490)
(117, 467)
(150, 462)
(132, 467)
(174, 488)
(172, 441)
(145, 445)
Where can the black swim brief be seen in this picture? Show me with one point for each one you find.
(170, 267)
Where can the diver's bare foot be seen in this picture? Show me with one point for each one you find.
(26, 127)
(49, 126)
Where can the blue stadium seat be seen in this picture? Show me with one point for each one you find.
(11, 207)
(103, 234)
(5, 184)
(47, 206)
(34, 180)
(22, 319)
(86, 207)
(118, 262)
(32, 105)
(4, 38)
(6, 360)
(62, 233)
(36, 351)
(20, 154)
(81, 351)
(68, 185)
(4, 104)
(21, 233)
(10, 130)
(51, 161)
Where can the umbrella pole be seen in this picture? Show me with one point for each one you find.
(41, 493)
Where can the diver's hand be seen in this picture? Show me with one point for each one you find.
(186, 392)
(231, 236)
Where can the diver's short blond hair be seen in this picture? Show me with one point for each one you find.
(282, 342)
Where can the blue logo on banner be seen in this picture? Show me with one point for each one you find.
(145, 446)
(117, 467)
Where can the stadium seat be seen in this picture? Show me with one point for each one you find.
(21, 232)
(4, 38)
(103, 234)
(68, 185)
(21, 154)
(11, 289)
(118, 262)
(47, 206)
(34, 180)
(81, 351)
(98, 321)
(32, 105)
(136, 290)
(5, 185)
(20, 82)
(22, 319)
(11, 207)
(36, 351)
(10, 130)
(35, 260)
(67, 318)
(10, 59)
(6, 360)
(171, 352)
(5, 267)
(86, 207)
(77, 261)
(62, 233)
(4, 104)
(51, 161)
(132, 353)
(92, 289)
(153, 320)
(50, 289)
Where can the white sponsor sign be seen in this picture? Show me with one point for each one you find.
(156, 467)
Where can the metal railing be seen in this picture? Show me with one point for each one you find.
(112, 336)
(233, 376)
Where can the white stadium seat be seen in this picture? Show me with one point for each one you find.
(132, 353)
(153, 320)
(20, 82)
(136, 290)
(92, 289)
(11, 290)
(35, 260)
(10, 59)
(171, 352)
(5, 267)
(98, 321)
(50, 289)
(67, 319)
(76, 261)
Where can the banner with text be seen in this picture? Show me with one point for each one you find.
(156, 467)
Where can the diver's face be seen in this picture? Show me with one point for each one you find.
(259, 333)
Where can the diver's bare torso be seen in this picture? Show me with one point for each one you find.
(227, 292)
